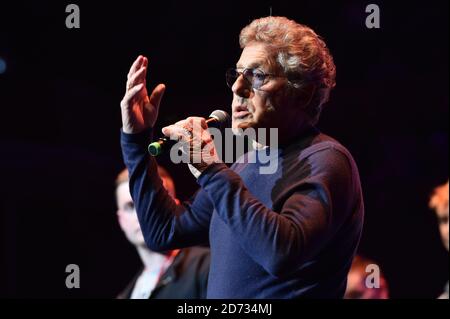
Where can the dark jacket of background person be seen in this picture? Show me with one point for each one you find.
(186, 277)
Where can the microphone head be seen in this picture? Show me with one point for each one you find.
(222, 117)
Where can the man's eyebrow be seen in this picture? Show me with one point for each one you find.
(252, 65)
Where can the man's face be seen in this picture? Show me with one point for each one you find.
(257, 107)
(443, 225)
(126, 213)
(127, 216)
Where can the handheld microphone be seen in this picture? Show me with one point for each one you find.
(217, 118)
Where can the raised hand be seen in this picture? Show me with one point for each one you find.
(139, 111)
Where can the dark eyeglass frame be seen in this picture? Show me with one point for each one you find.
(232, 74)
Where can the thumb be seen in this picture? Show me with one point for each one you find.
(157, 94)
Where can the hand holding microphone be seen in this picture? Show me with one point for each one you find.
(200, 145)
(217, 119)
(140, 111)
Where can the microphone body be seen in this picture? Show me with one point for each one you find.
(218, 119)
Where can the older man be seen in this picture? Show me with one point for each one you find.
(289, 234)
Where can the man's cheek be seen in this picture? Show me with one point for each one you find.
(134, 223)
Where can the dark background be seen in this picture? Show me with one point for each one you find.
(60, 121)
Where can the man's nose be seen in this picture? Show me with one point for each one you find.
(241, 87)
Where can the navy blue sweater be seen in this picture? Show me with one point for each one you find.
(290, 234)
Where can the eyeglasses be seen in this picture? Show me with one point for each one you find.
(254, 77)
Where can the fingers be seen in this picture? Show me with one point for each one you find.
(199, 146)
(199, 120)
(131, 93)
(177, 133)
(136, 65)
(157, 94)
(193, 121)
(136, 78)
(188, 129)
(145, 66)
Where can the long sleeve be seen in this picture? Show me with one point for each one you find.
(281, 241)
(165, 225)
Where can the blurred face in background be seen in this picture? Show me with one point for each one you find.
(442, 216)
(439, 203)
(126, 212)
(358, 288)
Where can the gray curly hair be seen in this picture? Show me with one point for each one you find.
(300, 53)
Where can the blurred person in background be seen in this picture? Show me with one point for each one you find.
(360, 286)
(439, 203)
(175, 274)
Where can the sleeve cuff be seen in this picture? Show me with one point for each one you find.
(142, 138)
